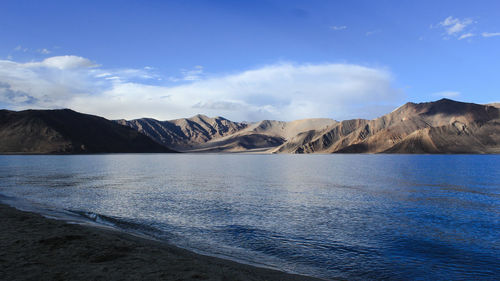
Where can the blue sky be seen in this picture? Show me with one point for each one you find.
(246, 60)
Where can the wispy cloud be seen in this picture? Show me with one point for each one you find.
(466, 35)
(192, 74)
(372, 32)
(20, 48)
(455, 25)
(44, 51)
(461, 28)
(283, 91)
(338, 27)
(490, 34)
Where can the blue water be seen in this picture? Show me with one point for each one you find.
(358, 217)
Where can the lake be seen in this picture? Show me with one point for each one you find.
(356, 217)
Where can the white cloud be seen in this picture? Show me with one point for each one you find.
(20, 48)
(282, 91)
(447, 94)
(44, 51)
(490, 34)
(461, 28)
(47, 86)
(192, 74)
(369, 33)
(466, 35)
(339, 27)
(63, 62)
(455, 25)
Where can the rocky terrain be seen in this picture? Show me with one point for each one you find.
(444, 126)
(187, 133)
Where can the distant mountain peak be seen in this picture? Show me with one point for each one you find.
(446, 100)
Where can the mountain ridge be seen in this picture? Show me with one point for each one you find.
(443, 126)
(443, 117)
(184, 133)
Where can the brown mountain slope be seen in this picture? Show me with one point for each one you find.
(67, 131)
(444, 126)
(328, 138)
(240, 143)
(185, 134)
(263, 136)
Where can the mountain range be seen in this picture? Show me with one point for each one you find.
(443, 126)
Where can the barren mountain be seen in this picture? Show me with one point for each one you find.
(444, 126)
(263, 136)
(331, 137)
(204, 134)
(185, 134)
(67, 131)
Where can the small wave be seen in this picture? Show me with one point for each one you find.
(4, 197)
(143, 229)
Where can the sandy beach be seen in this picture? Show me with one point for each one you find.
(33, 247)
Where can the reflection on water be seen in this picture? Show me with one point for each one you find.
(348, 216)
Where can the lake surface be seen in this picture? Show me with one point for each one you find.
(357, 217)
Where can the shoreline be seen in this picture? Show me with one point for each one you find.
(34, 247)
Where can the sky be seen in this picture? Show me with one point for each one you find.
(246, 60)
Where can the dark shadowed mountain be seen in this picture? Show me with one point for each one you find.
(67, 131)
